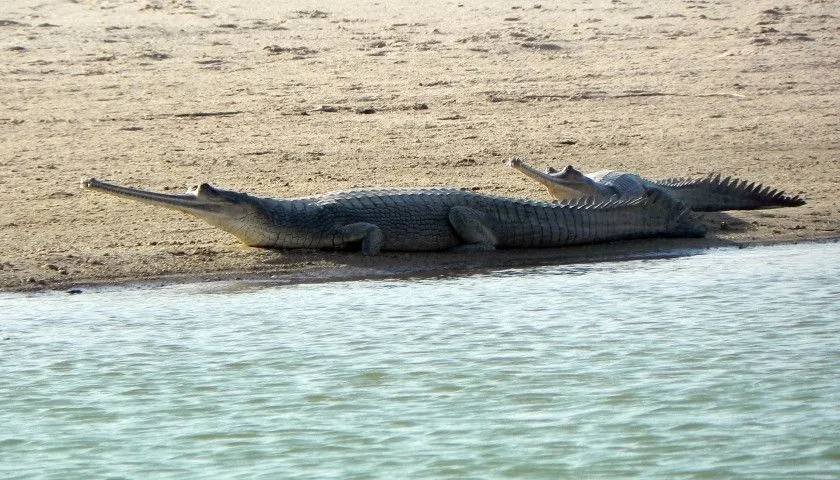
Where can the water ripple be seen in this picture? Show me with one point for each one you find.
(722, 365)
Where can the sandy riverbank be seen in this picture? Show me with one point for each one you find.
(165, 95)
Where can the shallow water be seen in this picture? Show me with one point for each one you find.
(720, 365)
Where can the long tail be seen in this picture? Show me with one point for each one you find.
(711, 194)
(654, 212)
(682, 222)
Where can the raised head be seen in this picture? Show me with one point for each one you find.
(242, 215)
(570, 184)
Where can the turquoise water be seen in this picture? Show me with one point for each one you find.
(720, 365)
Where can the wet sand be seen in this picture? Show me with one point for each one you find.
(297, 98)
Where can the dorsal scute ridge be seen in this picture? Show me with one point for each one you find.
(355, 192)
(733, 185)
(583, 203)
(613, 202)
(678, 182)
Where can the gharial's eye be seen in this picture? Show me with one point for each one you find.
(205, 190)
(570, 171)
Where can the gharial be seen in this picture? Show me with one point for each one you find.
(417, 219)
(706, 194)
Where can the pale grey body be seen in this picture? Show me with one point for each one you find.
(711, 193)
(421, 219)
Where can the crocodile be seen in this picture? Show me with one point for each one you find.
(421, 219)
(708, 194)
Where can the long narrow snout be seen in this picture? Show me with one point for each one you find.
(531, 172)
(237, 213)
(547, 179)
(184, 203)
(558, 186)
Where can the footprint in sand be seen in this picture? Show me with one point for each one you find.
(297, 53)
(12, 23)
(311, 14)
(152, 55)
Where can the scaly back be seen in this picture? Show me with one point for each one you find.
(713, 193)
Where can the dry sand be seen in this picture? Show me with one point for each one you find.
(166, 94)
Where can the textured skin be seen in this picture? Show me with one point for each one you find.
(622, 184)
(711, 193)
(707, 194)
(421, 219)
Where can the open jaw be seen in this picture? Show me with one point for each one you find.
(191, 203)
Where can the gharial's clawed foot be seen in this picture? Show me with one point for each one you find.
(370, 235)
(471, 225)
(372, 243)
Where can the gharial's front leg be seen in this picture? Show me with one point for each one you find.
(370, 235)
(471, 226)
